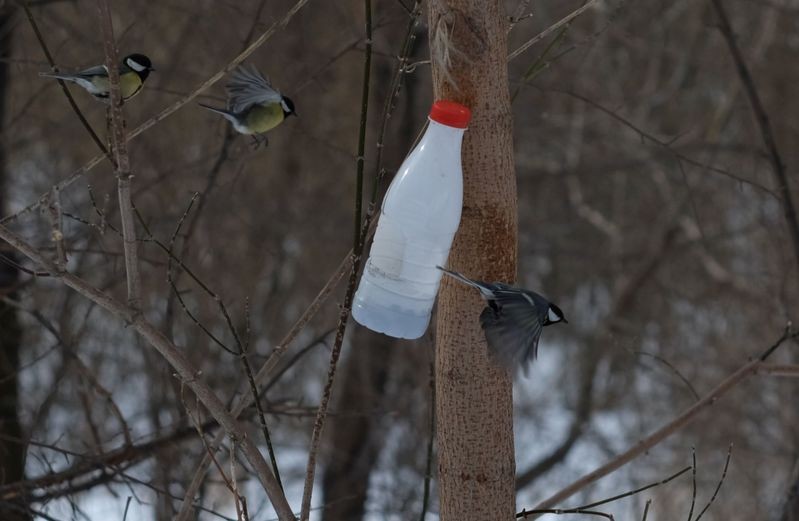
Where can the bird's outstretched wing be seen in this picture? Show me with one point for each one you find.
(247, 87)
(512, 327)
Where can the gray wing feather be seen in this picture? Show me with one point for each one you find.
(247, 87)
(97, 70)
(512, 326)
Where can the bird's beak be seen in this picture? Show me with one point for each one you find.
(151, 69)
(565, 321)
(293, 113)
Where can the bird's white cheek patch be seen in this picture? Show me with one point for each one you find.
(552, 316)
(285, 106)
(136, 66)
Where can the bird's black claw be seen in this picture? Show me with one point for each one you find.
(258, 140)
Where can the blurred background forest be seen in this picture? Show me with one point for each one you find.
(648, 211)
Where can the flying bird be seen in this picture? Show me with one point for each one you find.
(254, 106)
(512, 320)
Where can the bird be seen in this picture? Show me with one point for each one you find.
(133, 71)
(254, 106)
(512, 320)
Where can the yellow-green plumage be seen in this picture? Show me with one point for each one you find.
(129, 84)
(261, 118)
(253, 106)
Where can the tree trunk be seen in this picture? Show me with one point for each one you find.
(474, 412)
(12, 450)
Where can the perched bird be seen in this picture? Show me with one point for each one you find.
(133, 71)
(253, 105)
(512, 320)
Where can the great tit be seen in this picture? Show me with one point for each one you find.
(512, 320)
(253, 105)
(134, 69)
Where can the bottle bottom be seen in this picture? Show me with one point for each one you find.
(393, 319)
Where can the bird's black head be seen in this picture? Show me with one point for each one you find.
(288, 107)
(139, 63)
(554, 315)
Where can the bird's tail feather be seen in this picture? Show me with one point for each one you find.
(65, 77)
(454, 274)
(225, 113)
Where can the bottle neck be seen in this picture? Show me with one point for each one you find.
(438, 133)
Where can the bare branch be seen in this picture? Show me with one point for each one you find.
(176, 359)
(670, 428)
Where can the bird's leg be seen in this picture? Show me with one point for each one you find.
(258, 140)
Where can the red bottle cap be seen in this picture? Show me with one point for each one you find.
(451, 114)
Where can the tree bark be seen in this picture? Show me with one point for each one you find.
(474, 410)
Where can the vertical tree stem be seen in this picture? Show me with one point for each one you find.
(357, 244)
(121, 159)
(474, 408)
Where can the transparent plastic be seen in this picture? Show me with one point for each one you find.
(420, 215)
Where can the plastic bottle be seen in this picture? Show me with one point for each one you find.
(420, 215)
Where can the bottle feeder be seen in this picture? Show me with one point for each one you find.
(418, 220)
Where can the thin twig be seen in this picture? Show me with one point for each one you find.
(543, 34)
(195, 421)
(777, 166)
(525, 513)
(176, 359)
(584, 509)
(428, 471)
(127, 505)
(393, 92)
(646, 509)
(789, 370)
(62, 83)
(57, 228)
(670, 428)
(359, 161)
(673, 370)
(693, 483)
(539, 64)
(718, 486)
(636, 491)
